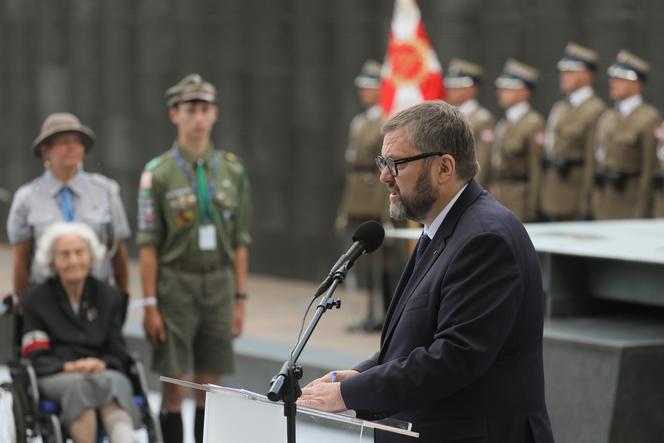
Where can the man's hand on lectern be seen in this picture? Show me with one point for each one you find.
(325, 393)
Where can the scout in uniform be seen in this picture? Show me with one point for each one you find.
(658, 181)
(517, 151)
(193, 235)
(65, 192)
(462, 84)
(364, 196)
(625, 153)
(569, 141)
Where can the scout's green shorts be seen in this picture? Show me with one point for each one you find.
(197, 312)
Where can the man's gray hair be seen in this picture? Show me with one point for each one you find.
(436, 126)
(44, 252)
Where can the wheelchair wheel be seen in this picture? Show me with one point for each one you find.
(17, 412)
(51, 429)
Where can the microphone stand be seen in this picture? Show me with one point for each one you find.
(284, 385)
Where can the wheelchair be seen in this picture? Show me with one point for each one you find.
(37, 417)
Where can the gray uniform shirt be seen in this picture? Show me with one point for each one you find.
(96, 201)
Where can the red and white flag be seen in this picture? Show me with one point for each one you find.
(411, 70)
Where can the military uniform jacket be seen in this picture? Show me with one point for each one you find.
(482, 124)
(168, 213)
(658, 183)
(568, 165)
(518, 152)
(96, 201)
(364, 196)
(54, 334)
(625, 159)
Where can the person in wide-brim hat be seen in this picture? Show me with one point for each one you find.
(58, 123)
(66, 192)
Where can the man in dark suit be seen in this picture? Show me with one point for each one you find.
(461, 347)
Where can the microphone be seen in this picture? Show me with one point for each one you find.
(367, 238)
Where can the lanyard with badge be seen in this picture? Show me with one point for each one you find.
(207, 231)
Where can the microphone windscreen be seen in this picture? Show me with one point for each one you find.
(371, 234)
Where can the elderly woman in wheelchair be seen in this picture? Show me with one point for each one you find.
(72, 335)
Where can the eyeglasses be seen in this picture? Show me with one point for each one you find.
(391, 163)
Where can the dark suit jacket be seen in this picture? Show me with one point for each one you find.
(53, 334)
(461, 347)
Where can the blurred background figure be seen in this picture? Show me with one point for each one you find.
(65, 192)
(364, 196)
(462, 83)
(569, 141)
(72, 333)
(517, 152)
(658, 181)
(626, 144)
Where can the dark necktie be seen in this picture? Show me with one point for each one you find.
(421, 247)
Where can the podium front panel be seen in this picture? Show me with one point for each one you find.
(241, 416)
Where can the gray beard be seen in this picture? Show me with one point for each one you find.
(420, 205)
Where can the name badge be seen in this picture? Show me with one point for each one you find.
(207, 238)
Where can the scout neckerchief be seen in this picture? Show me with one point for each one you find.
(203, 193)
(66, 204)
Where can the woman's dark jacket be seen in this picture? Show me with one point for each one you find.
(53, 334)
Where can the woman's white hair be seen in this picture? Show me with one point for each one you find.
(44, 252)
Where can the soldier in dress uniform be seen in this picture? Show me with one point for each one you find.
(193, 236)
(658, 181)
(625, 153)
(462, 83)
(517, 150)
(569, 141)
(364, 197)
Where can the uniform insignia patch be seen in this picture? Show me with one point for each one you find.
(184, 218)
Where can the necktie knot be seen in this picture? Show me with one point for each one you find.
(421, 247)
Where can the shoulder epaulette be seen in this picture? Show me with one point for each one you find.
(483, 114)
(152, 164)
(105, 182)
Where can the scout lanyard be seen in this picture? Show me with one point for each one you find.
(207, 212)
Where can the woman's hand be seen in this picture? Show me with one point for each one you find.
(88, 365)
